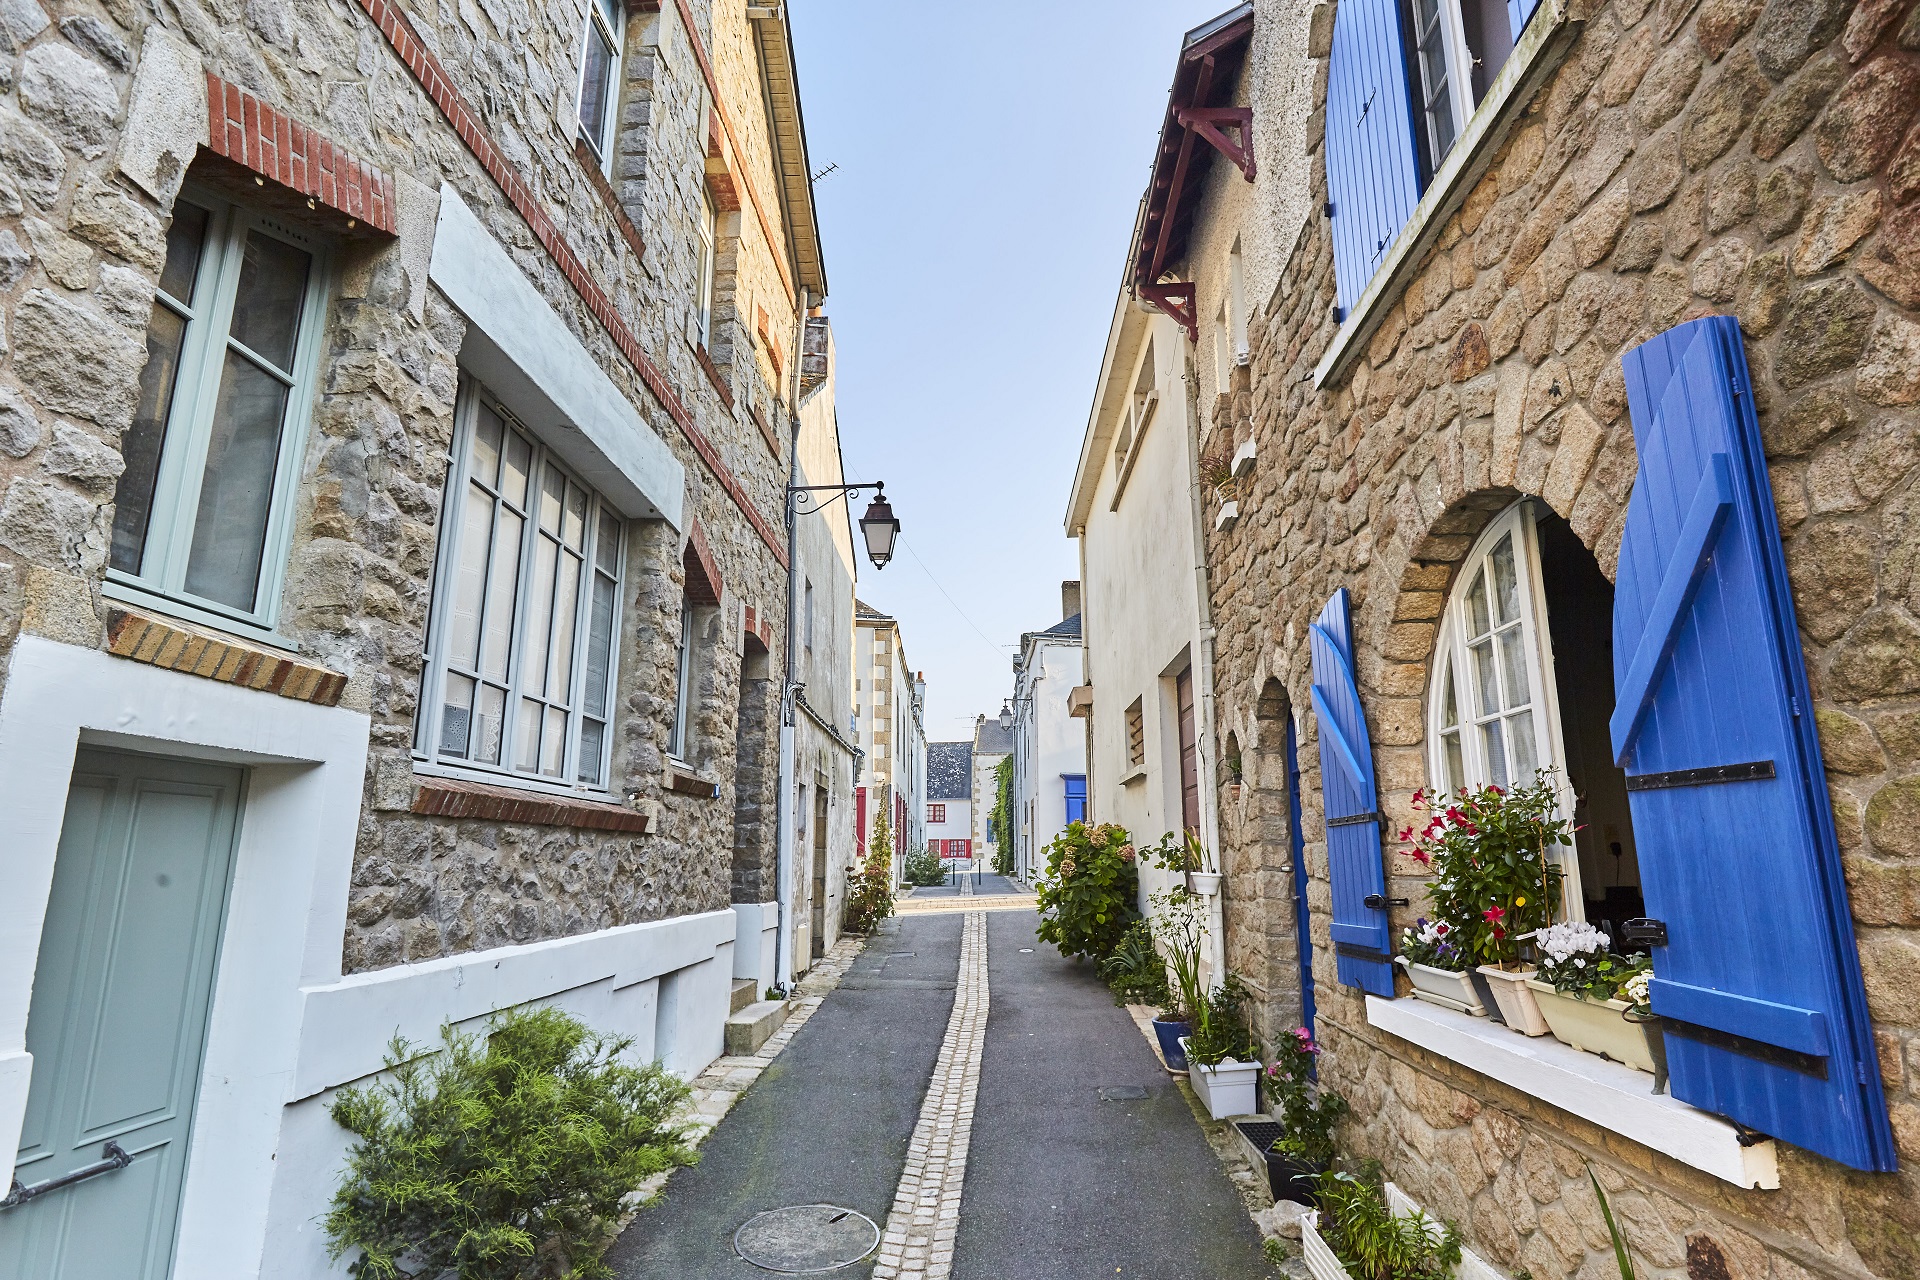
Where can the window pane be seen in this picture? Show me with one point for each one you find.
(594, 86)
(1506, 587)
(1449, 705)
(526, 735)
(1477, 607)
(1456, 765)
(1520, 735)
(497, 646)
(487, 429)
(456, 714)
(491, 720)
(470, 580)
(553, 490)
(140, 444)
(606, 547)
(186, 240)
(553, 742)
(592, 748)
(1496, 748)
(599, 646)
(266, 309)
(539, 616)
(236, 490)
(1513, 666)
(565, 618)
(574, 526)
(513, 482)
(1484, 678)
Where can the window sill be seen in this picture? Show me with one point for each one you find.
(1617, 1098)
(683, 780)
(1136, 774)
(1533, 58)
(457, 798)
(213, 655)
(132, 593)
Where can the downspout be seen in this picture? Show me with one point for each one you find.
(1203, 670)
(783, 807)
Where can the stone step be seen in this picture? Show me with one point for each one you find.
(744, 990)
(748, 1029)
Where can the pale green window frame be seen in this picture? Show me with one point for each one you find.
(161, 579)
(582, 766)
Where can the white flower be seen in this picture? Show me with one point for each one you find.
(1568, 939)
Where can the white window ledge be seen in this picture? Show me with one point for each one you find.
(1136, 774)
(1533, 58)
(1617, 1098)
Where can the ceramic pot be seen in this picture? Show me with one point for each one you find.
(1291, 1178)
(1171, 1036)
(1517, 1006)
(1230, 1088)
(1204, 883)
(1597, 1026)
(1444, 987)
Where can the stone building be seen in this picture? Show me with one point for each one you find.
(1597, 344)
(890, 724)
(395, 410)
(950, 799)
(1049, 749)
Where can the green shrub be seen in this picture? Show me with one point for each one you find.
(1086, 898)
(1002, 819)
(1306, 1110)
(1220, 1029)
(923, 867)
(500, 1157)
(1372, 1244)
(1134, 971)
(870, 892)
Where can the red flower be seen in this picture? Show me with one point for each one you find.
(1495, 788)
(1407, 834)
(1454, 815)
(1494, 915)
(1422, 857)
(1419, 794)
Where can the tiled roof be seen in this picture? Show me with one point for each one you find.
(989, 739)
(949, 770)
(1065, 627)
(861, 609)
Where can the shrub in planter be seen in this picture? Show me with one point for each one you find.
(1575, 961)
(1086, 898)
(1440, 969)
(1134, 971)
(500, 1157)
(1178, 920)
(1220, 1029)
(1494, 878)
(922, 866)
(1307, 1112)
(1372, 1243)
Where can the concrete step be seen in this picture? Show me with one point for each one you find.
(748, 1029)
(744, 991)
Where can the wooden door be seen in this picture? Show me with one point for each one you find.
(820, 870)
(1189, 754)
(118, 1018)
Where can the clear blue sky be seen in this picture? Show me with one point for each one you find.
(991, 156)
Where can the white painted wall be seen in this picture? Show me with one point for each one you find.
(1048, 743)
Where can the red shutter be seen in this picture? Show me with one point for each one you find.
(1189, 754)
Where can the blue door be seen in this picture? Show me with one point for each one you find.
(1713, 722)
(118, 1017)
(1360, 936)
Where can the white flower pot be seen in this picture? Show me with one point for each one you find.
(1321, 1262)
(1596, 1026)
(1230, 1089)
(1205, 883)
(1515, 998)
(1444, 987)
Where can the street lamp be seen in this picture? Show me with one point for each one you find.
(1006, 716)
(878, 527)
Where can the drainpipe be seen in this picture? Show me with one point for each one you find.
(1203, 671)
(783, 807)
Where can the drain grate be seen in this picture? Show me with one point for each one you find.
(806, 1239)
(1121, 1092)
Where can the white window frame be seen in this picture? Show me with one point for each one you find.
(1520, 522)
(682, 727)
(1451, 34)
(161, 579)
(607, 19)
(707, 228)
(428, 755)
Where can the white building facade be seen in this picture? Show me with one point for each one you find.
(992, 743)
(950, 799)
(890, 721)
(1049, 743)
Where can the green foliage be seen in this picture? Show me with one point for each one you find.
(870, 889)
(1306, 1110)
(1002, 818)
(1086, 898)
(1179, 923)
(1621, 1257)
(1493, 878)
(1134, 970)
(1220, 1029)
(1179, 853)
(500, 1157)
(1275, 1251)
(923, 867)
(1373, 1244)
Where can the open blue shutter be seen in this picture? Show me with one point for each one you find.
(1373, 179)
(1360, 935)
(1713, 722)
(1518, 11)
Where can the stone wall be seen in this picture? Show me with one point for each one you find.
(80, 252)
(1751, 157)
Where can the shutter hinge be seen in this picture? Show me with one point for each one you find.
(1645, 932)
(1378, 901)
(1329, 208)
(1739, 386)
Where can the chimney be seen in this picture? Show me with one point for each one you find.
(1069, 599)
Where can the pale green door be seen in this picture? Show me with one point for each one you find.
(119, 1016)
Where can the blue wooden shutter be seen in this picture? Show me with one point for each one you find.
(1373, 179)
(1518, 11)
(1713, 722)
(1360, 935)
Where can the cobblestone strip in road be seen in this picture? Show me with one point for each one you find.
(979, 902)
(918, 1241)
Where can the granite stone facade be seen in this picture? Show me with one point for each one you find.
(1673, 159)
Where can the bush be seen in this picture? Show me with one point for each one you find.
(870, 892)
(1134, 971)
(1086, 898)
(501, 1157)
(1001, 823)
(1307, 1111)
(1220, 1029)
(1372, 1244)
(923, 867)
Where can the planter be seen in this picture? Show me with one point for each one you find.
(1484, 989)
(1288, 1177)
(1518, 1008)
(1444, 987)
(1170, 1034)
(1204, 883)
(1597, 1026)
(1230, 1089)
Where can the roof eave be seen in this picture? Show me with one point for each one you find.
(781, 84)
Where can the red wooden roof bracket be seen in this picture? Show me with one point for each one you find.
(1207, 121)
(1176, 299)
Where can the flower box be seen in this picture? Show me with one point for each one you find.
(1324, 1264)
(1232, 1088)
(1447, 988)
(1518, 1008)
(1597, 1026)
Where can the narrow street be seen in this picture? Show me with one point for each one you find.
(1053, 1146)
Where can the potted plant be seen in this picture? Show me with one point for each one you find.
(1307, 1112)
(1495, 879)
(1185, 856)
(1580, 989)
(1178, 921)
(1223, 1058)
(1439, 967)
(1356, 1235)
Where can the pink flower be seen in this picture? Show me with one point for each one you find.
(1127, 853)
(1422, 857)
(1407, 834)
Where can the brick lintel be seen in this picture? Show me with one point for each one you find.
(200, 651)
(458, 798)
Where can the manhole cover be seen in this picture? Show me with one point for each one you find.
(806, 1239)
